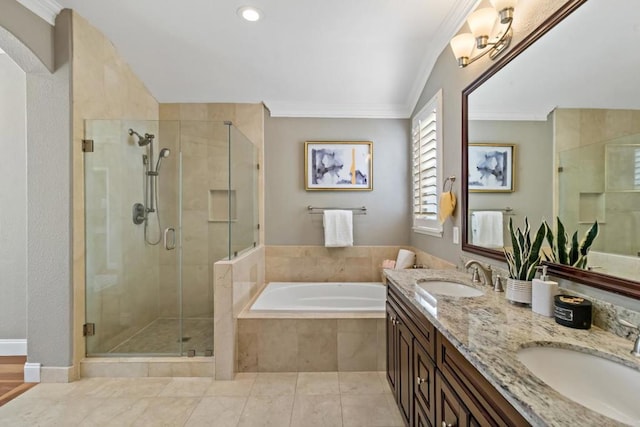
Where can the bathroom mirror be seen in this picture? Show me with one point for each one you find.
(568, 99)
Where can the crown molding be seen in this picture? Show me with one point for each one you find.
(445, 32)
(45, 9)
(356, 111)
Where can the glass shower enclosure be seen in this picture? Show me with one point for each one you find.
(164, 200)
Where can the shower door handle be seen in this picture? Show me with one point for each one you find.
(169, 245)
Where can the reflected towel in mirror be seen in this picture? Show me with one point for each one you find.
(487, 229)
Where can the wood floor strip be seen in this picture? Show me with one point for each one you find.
(12, 377)
(13, 360)
(15, 392)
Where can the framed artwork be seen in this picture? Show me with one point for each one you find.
(491, 167)
(338, 165)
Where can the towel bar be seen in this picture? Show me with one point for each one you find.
(362, 210)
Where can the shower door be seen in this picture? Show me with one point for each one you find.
(132, 236)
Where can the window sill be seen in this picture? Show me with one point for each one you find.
(428, 231)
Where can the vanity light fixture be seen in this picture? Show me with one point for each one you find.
(249, 13)
(482, 23)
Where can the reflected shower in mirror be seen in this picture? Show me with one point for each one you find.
(570, 104)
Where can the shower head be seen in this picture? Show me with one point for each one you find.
(165, 152)
(142, 140)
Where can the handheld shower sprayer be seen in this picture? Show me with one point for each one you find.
(165, 152)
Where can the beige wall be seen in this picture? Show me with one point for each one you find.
(287, 221)
(104, 87)
(533, 171)
(13, 200)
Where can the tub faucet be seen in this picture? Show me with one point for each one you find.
(484, 270)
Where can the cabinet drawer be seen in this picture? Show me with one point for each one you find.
(485, 404)
(420, 327)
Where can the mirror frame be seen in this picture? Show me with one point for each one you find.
(605, 282)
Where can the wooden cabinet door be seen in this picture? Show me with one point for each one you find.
(450, 411)
(392, 339)
(424, 387)
(404, 383)
(421, 419)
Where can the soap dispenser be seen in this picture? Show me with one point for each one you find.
(543, 291)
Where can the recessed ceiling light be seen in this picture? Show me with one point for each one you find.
(249, 13)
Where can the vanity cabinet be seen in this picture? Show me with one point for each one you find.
(410, 364)
(433, 383)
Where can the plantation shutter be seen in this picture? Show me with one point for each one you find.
(426, 143)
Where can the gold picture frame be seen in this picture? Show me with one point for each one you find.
(338, 165)
(491, 168)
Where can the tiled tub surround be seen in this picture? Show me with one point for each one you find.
(351, 264)
(306, 343)
(489, 331)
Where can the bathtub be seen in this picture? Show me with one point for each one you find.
(321, 297)
(313, 327)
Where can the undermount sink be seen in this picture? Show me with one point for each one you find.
(601, 385)
(449, 289)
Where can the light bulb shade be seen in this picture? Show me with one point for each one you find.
(482, 21)
(462, 45)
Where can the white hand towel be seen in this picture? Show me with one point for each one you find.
(486, 229)
(405, 259)
(338, 228)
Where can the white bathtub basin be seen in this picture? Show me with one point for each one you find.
(294, 296)
(450, 289)
(600, 384)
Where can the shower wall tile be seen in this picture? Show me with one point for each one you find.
(221, 112)
(104, 87)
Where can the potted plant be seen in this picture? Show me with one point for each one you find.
(570, 252)
(522, 260)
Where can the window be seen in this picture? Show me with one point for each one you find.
(427, 152)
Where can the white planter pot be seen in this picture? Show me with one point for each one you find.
(519, 291)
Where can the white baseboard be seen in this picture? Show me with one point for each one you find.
(13, 347)
(31, 372)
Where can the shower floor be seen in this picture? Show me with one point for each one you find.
(161, 336)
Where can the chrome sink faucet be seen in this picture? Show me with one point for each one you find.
(484, 270)
(636, 345)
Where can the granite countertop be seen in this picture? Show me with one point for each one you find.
(489, 331)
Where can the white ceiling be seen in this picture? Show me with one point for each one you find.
(313, 58)
(590, 60)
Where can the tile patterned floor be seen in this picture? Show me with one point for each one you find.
(160, 336)
(329, 399)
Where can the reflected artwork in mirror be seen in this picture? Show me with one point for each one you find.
(570, 102)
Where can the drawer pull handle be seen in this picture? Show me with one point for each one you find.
(420, 380)
(444, 424)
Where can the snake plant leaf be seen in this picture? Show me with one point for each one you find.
(525, 256)
(551, 241)
(562, 244)
(573, 251)
(517, 249)
(588, 239)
